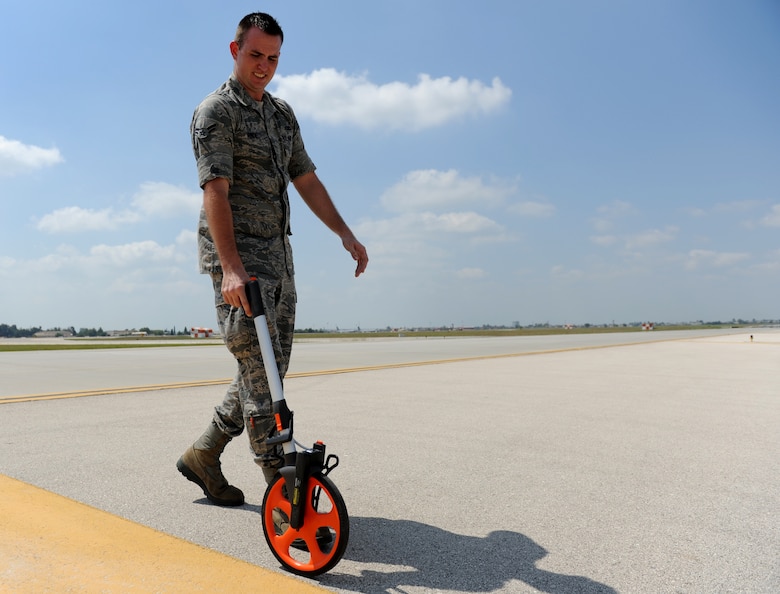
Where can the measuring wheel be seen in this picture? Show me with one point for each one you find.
(322, 538)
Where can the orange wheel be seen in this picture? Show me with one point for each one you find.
(321, 540)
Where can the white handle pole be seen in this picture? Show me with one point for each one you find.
(269, 359)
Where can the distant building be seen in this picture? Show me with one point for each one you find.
(53, 334)
(201, 332)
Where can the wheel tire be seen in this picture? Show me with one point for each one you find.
(320, 543)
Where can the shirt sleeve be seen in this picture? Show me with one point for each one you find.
(212, 142)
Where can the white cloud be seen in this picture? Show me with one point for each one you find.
(16, 157)
(604, 240)
(435, 216)
(458, 222)
(114, 286)
(651, 237)
(737, 206)
(561, 272)
(333, 97)
(412, 224)
(695, 212)
(531, 208)
(615, 209)
(771, 263)
(153, 200)
(104, 260)
(471, 273)
(602, 225)
(643, 239)
(130, 254)
(160, 199)
(142, 253)
(429, 189)
(772, 219)
(711, 259)
(75, 219)
(608, 213)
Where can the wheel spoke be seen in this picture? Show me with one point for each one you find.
(324, 510)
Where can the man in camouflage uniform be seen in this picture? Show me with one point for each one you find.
(248, 149)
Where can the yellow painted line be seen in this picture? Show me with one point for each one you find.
(49, 543)
(104, 391)
(215, 382)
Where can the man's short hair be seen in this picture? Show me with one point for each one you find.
(265, 22)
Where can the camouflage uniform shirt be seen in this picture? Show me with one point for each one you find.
(257, 147)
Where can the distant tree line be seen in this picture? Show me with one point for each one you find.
(7, 331)
(171, 332)
(89, 332)
(12, 331)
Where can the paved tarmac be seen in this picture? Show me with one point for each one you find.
(63, 372)
(574, 466)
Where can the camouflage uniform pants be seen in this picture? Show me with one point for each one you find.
(247, 402)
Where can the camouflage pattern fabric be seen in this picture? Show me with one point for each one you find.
(247, 402)
(257, 147)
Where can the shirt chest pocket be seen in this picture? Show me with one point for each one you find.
(267, 142)
(254, 144)
(280, 136)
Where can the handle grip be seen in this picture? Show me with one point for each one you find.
(255, 298)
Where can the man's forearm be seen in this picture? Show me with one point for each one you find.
(318, 200)
(320, 203)
(219, 217)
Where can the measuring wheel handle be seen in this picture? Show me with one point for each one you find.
(305, 520)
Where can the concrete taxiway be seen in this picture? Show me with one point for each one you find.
(536, 465)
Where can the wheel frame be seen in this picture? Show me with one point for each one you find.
(336, 520)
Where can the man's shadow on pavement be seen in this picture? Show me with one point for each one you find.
(439, 560)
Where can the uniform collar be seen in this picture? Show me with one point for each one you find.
(245, 98)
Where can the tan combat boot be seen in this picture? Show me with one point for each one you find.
(200, 464)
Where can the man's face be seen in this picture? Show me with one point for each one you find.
(256, 60)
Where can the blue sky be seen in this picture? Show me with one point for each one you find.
(527, 161)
